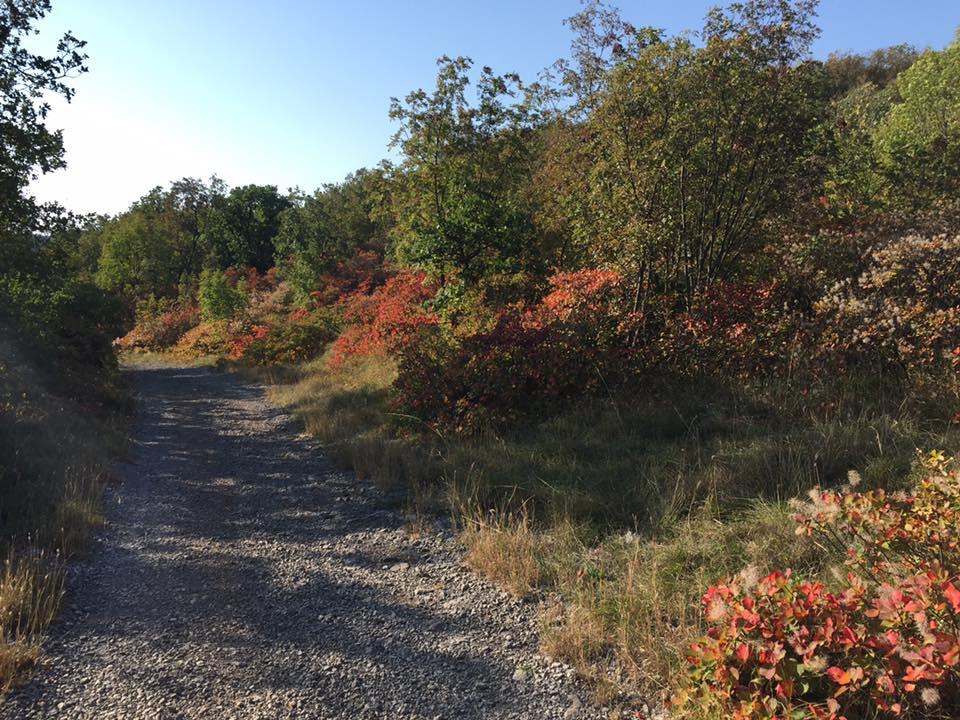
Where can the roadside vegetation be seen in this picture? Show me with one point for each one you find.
(63, 404)
(673, 333)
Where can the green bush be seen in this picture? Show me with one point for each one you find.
(218, 299)
(64, 329)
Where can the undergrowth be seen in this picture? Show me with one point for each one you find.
(620, 512)
(56, 448)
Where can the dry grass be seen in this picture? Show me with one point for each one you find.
(504, 548)
(56, 449)
(31, 588)
(166, 359)
(627, 607)
(626, 511)
(574, 634)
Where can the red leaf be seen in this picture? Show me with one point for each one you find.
(743, 653)
(952, 594)
(838, 675)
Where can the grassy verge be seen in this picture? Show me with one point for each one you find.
(143, 358)
(620, 513)
(56, 448)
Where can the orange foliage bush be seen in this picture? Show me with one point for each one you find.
(570, 343)
(160, 332)
(386, 319)
(887, 641)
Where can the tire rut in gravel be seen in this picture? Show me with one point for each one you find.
(241, 576)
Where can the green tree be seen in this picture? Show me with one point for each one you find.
(320, 230)
(459, 195)
(854, 179)
(136, 257)
(27, 146)
(241, 225)
(218, 299)
(919, 140)
(847, 71)
(161, 241)
(693, 145)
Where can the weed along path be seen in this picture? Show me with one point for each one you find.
(241, 576)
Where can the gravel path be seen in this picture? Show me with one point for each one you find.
(241, 576)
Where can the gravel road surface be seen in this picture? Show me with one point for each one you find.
(242, 576)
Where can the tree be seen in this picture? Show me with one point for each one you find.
(162, 240)
(218, 299)
(693, 144)
(241, 226)
(458, 194)
(27, 146)
(846, 72)
(321, 230)
(137, 256)
(919, 139)
(854, 180)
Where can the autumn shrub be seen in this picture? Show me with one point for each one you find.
(362, 272)
(159, 332)
(250, 279)
(734, 329)
(387, 319)
(901, 311)
(243, 333)
(567, 345)
(303, 336)
(885, 640)
(876, 292)
(211, 338)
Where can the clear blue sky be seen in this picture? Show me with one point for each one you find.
(296, 92)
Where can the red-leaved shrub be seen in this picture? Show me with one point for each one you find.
(161, 331)
(302, 336)
(886, 641)
(568, 344)
(386, 319)
(737, 329)
(243, 334)
(254, 280)
(361, 273)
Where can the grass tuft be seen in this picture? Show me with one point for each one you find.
(503, 547)
(31, 588)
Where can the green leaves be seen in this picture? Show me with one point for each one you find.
(240, 226)
(319, 231)
(27, 146)
(692, 146)
(461, 194)
(919, 140)
(219, 300)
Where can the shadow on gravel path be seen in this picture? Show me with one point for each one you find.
(241, 576)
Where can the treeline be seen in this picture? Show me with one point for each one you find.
(715, 202)
(171, 235)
